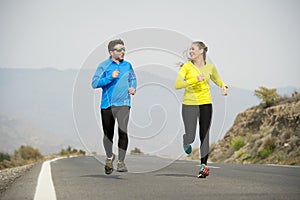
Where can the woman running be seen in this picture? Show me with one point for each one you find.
(194, 76)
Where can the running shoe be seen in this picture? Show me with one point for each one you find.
(203, 171)
(109, 168)
(121, 167)
(187, 148)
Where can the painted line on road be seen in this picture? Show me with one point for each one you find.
(210, 166)
(45, 189)
(276, 165)
(213, 167)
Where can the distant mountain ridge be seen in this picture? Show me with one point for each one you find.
(44, 97)
(16, 132)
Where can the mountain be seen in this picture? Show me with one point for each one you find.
(65, 107)
(40, 98)
(16, 132)
(263, 135)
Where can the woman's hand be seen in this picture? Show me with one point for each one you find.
(224, 90)
(201, 77)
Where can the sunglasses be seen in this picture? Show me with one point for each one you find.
(119, 50)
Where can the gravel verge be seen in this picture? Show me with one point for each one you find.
(8, 176)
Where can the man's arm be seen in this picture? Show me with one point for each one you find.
(132, 81)
(99, 79)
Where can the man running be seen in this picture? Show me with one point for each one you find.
(117, 79)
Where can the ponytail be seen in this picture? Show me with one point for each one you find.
(201, 45)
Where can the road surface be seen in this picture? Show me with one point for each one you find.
(151, 177)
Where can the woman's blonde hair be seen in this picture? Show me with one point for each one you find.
(201, 45)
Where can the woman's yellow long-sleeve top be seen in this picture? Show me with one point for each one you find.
(197, 93)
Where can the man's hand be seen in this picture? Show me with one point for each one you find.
(131, 91)
(115, 74)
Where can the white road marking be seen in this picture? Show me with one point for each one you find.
(276, 165)
(209, 166)
(45, 189)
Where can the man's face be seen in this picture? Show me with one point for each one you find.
(118, 52)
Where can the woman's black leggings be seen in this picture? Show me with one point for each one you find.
(190, 115)
(108, 123)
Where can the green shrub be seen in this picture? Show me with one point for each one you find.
(71, 151)
(270, 143)
(213, 159)
(237, 143)
(28, 153)
(4, 156)
(64, 152)
(264, 153)
(268, 96)
(81, 152)
(268, 148)
(136, 151)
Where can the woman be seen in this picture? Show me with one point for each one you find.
(194, 76)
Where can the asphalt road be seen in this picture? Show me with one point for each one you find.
(157, 178)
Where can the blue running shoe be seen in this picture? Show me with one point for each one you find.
(187, 148)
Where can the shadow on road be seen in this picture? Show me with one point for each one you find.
(177, 175)
(104, 176)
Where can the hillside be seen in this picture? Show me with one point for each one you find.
(263, 135)
(16, 132)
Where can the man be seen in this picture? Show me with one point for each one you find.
(118, 81)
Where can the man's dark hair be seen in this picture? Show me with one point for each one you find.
(113, 43)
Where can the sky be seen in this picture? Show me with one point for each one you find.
(253, 43)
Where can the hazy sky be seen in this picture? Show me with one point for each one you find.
(253, 42)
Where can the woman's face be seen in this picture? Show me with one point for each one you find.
(195, 52)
